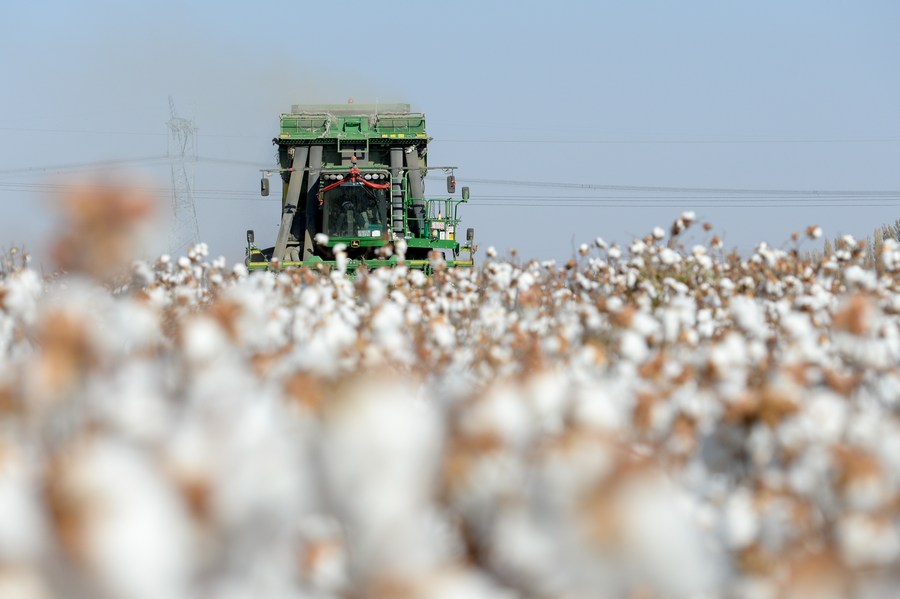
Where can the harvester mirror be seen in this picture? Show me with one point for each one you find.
(264, 186)
(451, 184)
(470, 234)
(250, 236)
(465, 193)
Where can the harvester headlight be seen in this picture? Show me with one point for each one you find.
(368, 177)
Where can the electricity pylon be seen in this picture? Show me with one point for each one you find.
(182, 152)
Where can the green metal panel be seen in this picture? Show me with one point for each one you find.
(348, 121)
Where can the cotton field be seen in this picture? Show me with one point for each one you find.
(650, 419)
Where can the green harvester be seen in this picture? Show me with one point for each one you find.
(353, 181)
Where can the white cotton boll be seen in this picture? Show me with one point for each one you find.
(668, 257)
(663, 548)
(502, 411)
(203, 339)
(631, 278)
(825, 417)
(240, 270)
(521, 550)
(867, 493)
(380, 449)
(129, 401)
(375, 290)
(600, 243)
(458, 583)
(761, 444)
(614, 304)
(688, 216)
(748, 316)
(417, 278)
(491, 252)
(442, 334)
(797, 325)
(633, 347)
(865, 540)
(645, 324)
(525, 281)
(136, 532)
(142, 273)
(638, 247)
(22, 291)
(614, 253)
(548, 395)
(856, 275)
(321, 239)
(730, 352)
(136, 325)
(741, 521)
(22, 525)
(262, 478)
(658, 233)
(184, 262)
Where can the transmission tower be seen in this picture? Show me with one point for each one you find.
(182, 152)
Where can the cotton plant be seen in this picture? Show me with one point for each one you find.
(652, 418)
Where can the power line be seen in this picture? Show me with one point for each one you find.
(682, 199)
(130, 133)
(105, 164)
(848, 140)
(691, 205)
(661, 189)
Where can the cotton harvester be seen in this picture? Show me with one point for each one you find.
(353, 181)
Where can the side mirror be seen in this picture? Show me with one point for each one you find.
(470, 234)
(250, 236)
(451, 184)
(465, 193)
(264, 186)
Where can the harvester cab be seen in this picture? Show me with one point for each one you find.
(353, 176)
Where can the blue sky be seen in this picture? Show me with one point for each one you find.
(709, 94)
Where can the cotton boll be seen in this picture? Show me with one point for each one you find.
(380, 449)
(741, 522)
(500, 412)
(203, 340)
(825, 417)
(748, 316)
(21, 291)
(669, 257)
(654, 543)
(633, 348)
(123, 522)
(867, 540)
(605, 407)
(22, 525)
